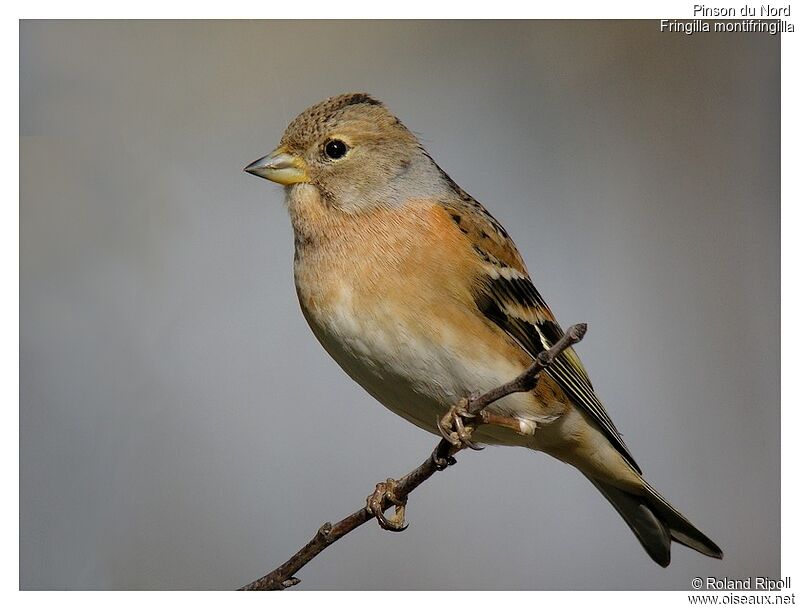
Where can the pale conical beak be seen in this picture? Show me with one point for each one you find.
(279, 166)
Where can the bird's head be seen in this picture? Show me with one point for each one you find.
(355, 152)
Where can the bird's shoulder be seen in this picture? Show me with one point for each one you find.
(487, 237)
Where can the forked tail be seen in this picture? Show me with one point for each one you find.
(656, 523)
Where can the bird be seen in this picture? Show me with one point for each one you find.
(421, 296)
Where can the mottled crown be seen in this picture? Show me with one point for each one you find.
(323, 117)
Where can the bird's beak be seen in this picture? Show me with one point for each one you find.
(279, 166)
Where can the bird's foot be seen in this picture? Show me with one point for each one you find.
(453, 428)
(386, 491)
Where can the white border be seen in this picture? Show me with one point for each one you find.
(9, 264)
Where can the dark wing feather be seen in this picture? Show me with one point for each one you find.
(510, 300)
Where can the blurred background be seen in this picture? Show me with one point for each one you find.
(182, 429)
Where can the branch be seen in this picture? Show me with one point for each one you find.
(527, 380)
(283, 577)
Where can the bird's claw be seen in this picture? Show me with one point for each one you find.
(441, 457)
(454, 430)
(386, 491)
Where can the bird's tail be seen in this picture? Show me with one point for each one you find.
(656, 523)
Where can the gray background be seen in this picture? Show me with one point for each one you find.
(181, 428)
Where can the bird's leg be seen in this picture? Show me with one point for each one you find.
(385, 491)
(520, 426)
(454, 430)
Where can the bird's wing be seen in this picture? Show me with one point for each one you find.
(505, 294)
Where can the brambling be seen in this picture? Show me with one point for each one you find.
(421, 296)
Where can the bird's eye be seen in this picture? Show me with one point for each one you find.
(335, 149)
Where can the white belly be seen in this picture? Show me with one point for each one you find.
(416, 374)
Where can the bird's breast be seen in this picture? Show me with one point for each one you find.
(372, 296)
(387, 294)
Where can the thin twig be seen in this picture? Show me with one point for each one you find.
(284, 577)
(528, 379)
